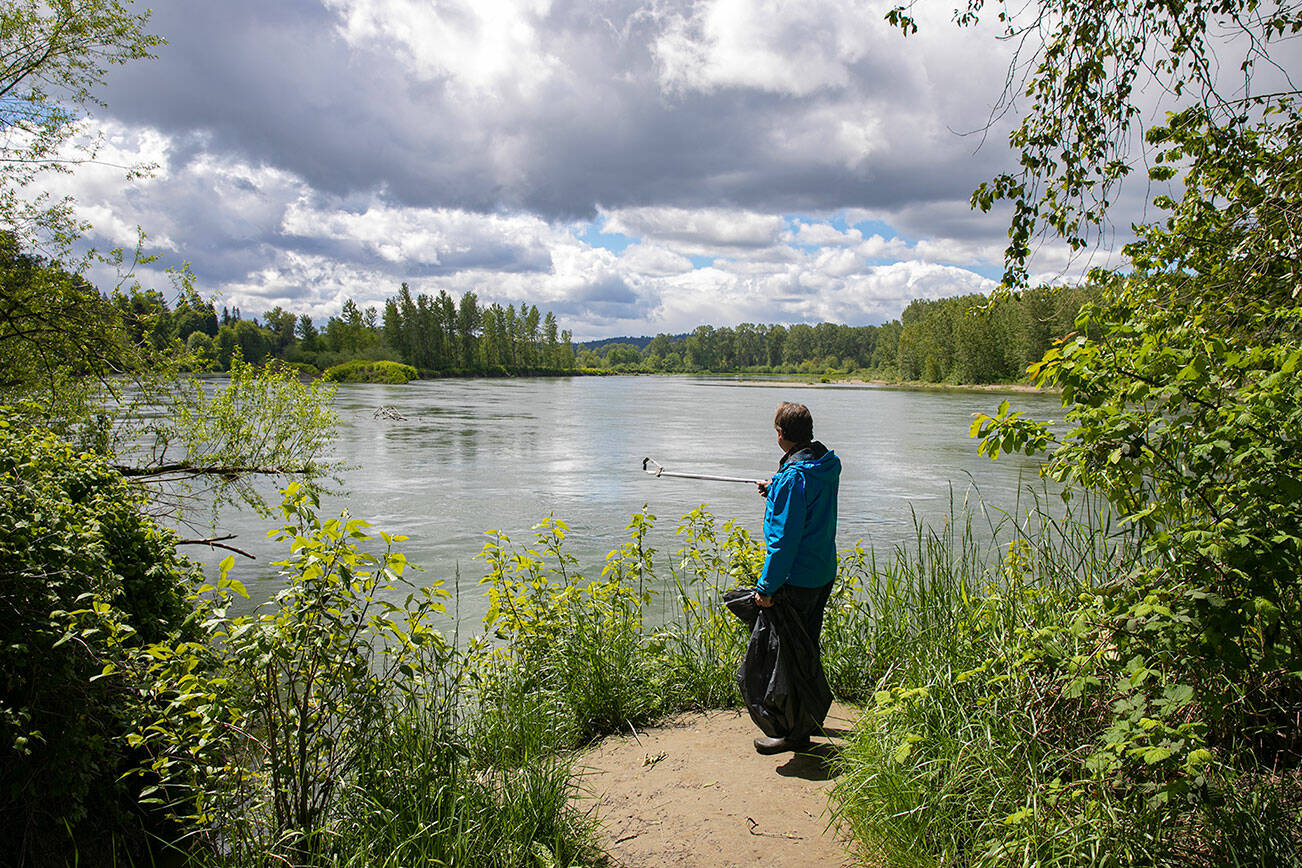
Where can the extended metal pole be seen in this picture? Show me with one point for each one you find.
(660, 471)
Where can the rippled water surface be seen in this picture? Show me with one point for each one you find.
(477, 455)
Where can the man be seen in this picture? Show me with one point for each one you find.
(800, 535)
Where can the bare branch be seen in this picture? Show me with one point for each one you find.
(216, 543)
(187, 470)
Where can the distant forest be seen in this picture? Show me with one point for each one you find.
(435, 334)
(965, 339)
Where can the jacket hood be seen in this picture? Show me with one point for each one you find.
(814, 458)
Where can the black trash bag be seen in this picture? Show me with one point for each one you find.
(781, 677)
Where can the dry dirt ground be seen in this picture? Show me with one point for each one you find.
(693, 792)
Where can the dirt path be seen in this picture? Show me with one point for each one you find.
(693, 792)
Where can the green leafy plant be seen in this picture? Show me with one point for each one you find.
(359, 371)
(86, 581)
(579, 642)
(1182, 414)
(265, 723)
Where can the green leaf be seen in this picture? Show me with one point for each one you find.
(1156, 755)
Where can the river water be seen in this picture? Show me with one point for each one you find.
(469, 456)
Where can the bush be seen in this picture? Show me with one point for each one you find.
(579, 645)
(360, 371)
(85, 578)
(331, 725)
(303, 369)
(579, 655)
(1005, 728)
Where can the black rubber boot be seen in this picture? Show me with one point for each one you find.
(766, 745)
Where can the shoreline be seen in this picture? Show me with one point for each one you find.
(806, 383)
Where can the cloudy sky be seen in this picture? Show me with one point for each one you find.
(635, 166)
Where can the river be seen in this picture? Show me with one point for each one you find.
(469, 456)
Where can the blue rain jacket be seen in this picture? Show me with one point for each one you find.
(800, 521)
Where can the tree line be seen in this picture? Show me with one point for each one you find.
(964, 339)
(435, 334)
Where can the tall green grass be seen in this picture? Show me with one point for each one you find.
(430, 796)
(949, 742)
(992, 690)
(958, 589)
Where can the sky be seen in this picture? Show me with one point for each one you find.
(635, 166)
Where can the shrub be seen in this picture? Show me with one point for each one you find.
(579, 644)
(579, 655)
(303, 369)
(360, 371)
(266, 721)
(331, 725)
(85, 577)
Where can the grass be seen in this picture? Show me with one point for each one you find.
(993, 692)
(420, 803)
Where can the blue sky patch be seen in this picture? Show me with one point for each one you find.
(615, 242)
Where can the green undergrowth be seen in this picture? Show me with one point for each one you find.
(341, 724)
(344, 723)
(1005, 728)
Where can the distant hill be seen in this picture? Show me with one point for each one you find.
(640, 343)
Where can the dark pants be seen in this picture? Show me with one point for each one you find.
(809, 604)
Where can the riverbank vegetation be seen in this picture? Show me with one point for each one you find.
(358, 371)
(970, 339)
(346, 722)
(435, 334)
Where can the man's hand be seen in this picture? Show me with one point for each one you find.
(762, 601)
(762, 487)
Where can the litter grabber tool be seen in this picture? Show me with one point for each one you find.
(650, 465)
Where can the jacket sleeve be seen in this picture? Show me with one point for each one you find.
(783, 530)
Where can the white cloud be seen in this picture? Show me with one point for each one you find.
(484, 46)
(97, 182)
(822, 234)
(877, 247)
(846, 132)
(948, 250)
(838, 262)
(791, 47)
(696, 231)
(426, 236)
(654, 260)
(308, 283)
